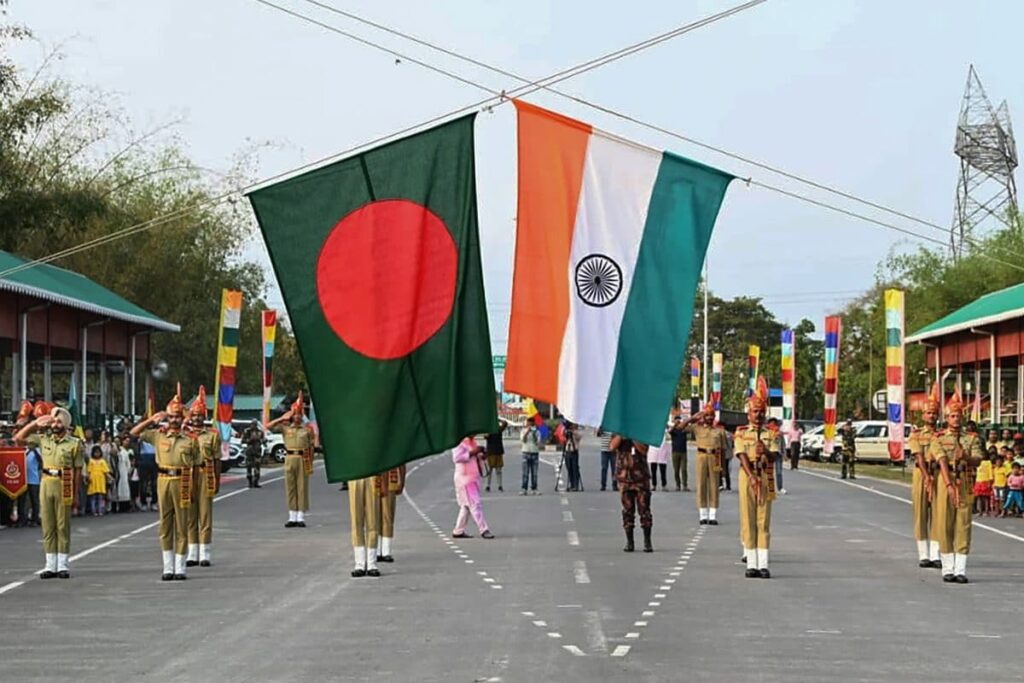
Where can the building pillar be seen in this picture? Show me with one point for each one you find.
(131, 370)
(102, 379)
(83, 396)
(14, 381)
(47, 375)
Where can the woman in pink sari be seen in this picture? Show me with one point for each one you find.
(468, 467)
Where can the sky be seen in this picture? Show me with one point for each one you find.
(859, 94)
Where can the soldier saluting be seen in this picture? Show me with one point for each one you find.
(205, 483)
(957, 453)
(711, 445)
(61, 480)
(176, 455)
(299, 441)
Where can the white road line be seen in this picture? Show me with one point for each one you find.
(825, 632)
(552, 634)
(983, 635)
(579, 571)
(527, 614)
(621, 651)
(540, 623)
(565, 501)
(572, 649)
(11, 586)
(573, 538)
(659, 596)
(496, 586)
(145, 527)
(986, 527)
(488, 579)
(647, 613)
(633, 635)
(640, 623)
(567, 515)
(654, 604)
(596, 640)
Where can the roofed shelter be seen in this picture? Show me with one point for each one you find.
(58, 327)
(980, 347)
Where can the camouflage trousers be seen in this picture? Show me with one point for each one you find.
(849, 463)
(636, 502)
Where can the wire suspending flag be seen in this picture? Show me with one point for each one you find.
(227, 362)
(269, 334)
(894, 371)
(753, 360)
(788, 380)
(833, 330)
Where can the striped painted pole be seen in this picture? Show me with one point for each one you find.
(269, 328)
(694, 377)
(227, 362)
(894, 371)
(788, 380)
(833, 330)
(753, 360)
(716, 383)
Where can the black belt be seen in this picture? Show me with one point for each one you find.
(290, 452)
(53, 473)
(169, 472)
(713, 451)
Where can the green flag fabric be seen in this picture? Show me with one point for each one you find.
(378, 260)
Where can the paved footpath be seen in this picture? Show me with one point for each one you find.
(553, 597)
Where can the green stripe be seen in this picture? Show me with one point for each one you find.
(656, 325)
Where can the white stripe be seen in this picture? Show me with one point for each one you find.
(617, 183)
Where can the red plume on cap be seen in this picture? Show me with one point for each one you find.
(759, 399)
(931, 404)
(955, 403)
(300, 404)
(42, 408)
(26, 410)
(174, 406)
(199, 405)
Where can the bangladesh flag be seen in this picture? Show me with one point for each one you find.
(378, 259)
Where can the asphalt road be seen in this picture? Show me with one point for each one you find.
(553, 597)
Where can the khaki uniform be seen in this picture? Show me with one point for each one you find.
(756, 518)
(951, 525)
(364, 509)
(297, 441)
(711, 445)
(389, 485)
(175, 451)
(921, 496)
(56, 493)
(204, 488)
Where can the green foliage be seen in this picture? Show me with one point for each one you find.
(71, 172)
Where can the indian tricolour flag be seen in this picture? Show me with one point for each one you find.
(610, 241)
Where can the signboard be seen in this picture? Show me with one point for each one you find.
(879, 401)
(13, 478)
(498, 362)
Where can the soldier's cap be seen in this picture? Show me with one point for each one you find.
(198, 407)
(26, 410)
(175, 406)
(1018, 436)
(62, 415)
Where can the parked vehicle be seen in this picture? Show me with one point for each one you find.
(872, 438)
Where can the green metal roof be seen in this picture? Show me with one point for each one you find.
(71, 289)
(247, 402)
(1006, 304)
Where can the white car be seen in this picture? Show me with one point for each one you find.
(872, 438)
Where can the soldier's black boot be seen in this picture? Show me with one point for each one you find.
(648, 548)
(852, 475)
(256, 481)
(629, 541)
(250, 480)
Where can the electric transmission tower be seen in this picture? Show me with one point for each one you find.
(986, 195)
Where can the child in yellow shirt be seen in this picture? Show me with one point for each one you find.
(98, 472)
(983, 485)
(1000, 472)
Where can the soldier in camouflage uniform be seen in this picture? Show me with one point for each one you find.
(252, 440)
(957, 453)
(634, 478)
(849, 434)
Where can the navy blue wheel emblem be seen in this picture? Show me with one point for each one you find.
(598, 280)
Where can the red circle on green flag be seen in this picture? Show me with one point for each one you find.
(386, 276)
